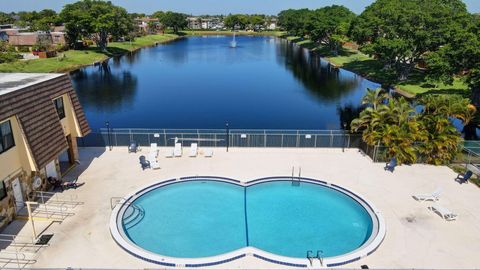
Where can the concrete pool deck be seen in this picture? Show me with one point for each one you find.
(415, 238)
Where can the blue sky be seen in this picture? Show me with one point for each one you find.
(198, 7)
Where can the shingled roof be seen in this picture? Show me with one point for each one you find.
(29, 97)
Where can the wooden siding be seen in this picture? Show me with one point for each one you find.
(33, 106)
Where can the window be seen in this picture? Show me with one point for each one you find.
(3, 190)
(59, 106)
(6, 137)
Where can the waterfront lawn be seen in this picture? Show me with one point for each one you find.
(65, 61)
(74, 59)
(372, 69)
(143, 42)
(368, 67)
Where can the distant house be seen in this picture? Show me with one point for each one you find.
(206, 23)
(194, 23)
(58, 38)
(5, 31)
(30, 39)
(197, 23)
(143, 24)
(272, 25)
(40, 121)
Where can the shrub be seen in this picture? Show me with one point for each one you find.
(8, 57)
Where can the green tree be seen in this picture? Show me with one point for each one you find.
(43, 20)
(7, 53)
(95, 19)
(158, 15)
(256, 22)
(236, 21)
(375, 97)
(408, 133)
(331, 25)
(173, 20)
(6, 18)
(443, 140)
(298, 22)
(460, 56)
(400, 33)
(393, 125)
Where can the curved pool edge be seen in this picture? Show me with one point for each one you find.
(370, 246)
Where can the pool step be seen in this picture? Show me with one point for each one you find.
(133, 215)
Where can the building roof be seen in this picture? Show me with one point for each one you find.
(10, 82)
(29, 97)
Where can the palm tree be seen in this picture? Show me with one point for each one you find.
(408, 134)
(442, 143)
(374, 97)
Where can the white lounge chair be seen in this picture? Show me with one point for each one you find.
(193, 150)
(208, 152)
(428, 197)
(154, 149)
(178, 150)
(154, 165)
(170, 153)
(443, 212)
(152, 158)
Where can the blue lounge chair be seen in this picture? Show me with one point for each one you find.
(464, 177)
(133, 147)
(391, 165)
(144, 163)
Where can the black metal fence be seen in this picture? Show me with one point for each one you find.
(253, 138)
(222, 138)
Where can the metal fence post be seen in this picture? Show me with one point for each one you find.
(331, 138)
(297, 140)
(264, 138)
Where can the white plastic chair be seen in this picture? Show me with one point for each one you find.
(444, 212)
(178, 150)
(193, 150)
(434, 196)
(208, 153)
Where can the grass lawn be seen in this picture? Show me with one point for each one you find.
(370, 68)
(418, 87)
(74, 59)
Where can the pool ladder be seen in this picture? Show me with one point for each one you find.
(313, 259)
(296, 182)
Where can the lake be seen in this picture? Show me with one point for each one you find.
(200, 82)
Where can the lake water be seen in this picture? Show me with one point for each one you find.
(200, 82)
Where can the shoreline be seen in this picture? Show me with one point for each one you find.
(69, 71)
(74, 69)
(338, 66)
(117, 49)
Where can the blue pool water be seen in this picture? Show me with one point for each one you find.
(206, 218)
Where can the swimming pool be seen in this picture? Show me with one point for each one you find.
(201, 221)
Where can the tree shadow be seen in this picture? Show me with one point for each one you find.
(371, 69)
(450, 91)
(348, 113)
